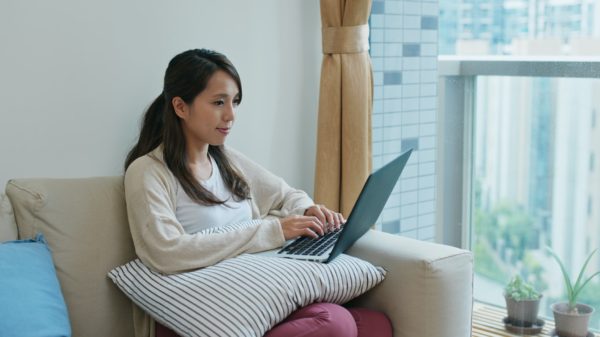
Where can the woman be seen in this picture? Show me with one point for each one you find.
(180, 180)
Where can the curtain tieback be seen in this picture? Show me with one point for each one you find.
(346, 39)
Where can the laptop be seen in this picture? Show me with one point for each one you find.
(366, 210)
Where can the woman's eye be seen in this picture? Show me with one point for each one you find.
(219, 102)
(236, 102)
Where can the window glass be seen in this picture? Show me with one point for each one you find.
(535, 140)
(519, 27)
(532, 186)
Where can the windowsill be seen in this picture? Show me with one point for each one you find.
(487, 322)
(538, 66)
(521, 58)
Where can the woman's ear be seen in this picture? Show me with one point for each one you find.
(180, 107)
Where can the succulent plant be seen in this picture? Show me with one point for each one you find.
(520, 290)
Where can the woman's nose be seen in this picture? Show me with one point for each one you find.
(229, 113)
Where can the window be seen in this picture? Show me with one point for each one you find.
(530, 183)
(517, 29)
(515, 129)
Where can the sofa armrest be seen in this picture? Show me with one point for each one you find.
(8, 226)
(428, 289)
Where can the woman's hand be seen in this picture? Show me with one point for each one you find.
(298, 225)
(317, 220)
(332, 220)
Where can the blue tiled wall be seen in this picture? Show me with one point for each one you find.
(404, 55)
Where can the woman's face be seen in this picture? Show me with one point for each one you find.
(209, 118)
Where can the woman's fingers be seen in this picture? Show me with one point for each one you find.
(340, 219)
(314, 224)
(308, 232)
(331, 219)
(317, 221)
(295, 226)
(316, 210)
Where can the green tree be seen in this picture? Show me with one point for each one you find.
(533, 272)
(506, 227)
(515, 227)
(487, 264)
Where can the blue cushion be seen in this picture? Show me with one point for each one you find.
(31, 303)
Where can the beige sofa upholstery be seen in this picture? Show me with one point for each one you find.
(427, 291)
(8, 227)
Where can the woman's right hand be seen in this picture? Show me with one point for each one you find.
(300, 225)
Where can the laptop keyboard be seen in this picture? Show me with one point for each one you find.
(310, 246)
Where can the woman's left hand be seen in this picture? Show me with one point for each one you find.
(332, 220)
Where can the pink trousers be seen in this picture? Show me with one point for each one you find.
(323, 320)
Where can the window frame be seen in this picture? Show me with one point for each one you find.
(457, 93)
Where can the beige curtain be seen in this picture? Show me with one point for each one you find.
(345, 104)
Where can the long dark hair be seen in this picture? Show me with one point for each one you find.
(187, 76)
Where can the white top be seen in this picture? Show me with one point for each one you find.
(159, 238)
(195, 217)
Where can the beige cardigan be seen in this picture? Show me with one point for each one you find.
(159, 239)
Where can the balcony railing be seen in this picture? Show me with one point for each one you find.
(536, 66)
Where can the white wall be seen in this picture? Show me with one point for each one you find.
(76, 76)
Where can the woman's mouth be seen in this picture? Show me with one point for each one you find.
(224, 131)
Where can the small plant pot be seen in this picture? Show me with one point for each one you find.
(522, 313)
(570, 324)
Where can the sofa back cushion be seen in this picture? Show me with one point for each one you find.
(85, 224)
(8, 227)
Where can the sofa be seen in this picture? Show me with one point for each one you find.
(427, 291)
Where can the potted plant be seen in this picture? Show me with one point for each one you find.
(522, 303)
(572, 318)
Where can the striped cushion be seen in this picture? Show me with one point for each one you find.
(232, 227)
(243, 296)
